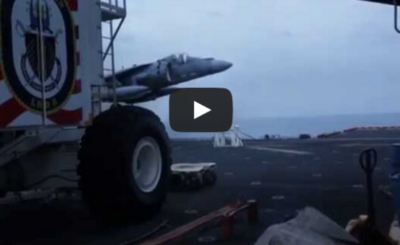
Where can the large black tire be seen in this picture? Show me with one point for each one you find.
(106, 170)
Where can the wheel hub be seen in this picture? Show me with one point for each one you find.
(147, 164)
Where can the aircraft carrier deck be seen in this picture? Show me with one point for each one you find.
(283, 175)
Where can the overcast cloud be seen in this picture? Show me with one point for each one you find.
(291, 58)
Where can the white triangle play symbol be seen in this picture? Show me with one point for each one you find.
(200, 110)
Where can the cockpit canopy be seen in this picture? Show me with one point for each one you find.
(181, 58)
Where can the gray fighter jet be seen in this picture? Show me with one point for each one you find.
(151, 81)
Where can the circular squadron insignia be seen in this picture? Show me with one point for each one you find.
(38, 52)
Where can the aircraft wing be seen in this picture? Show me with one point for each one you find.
(124, 77)
(126, 93)
(137, 94)
(153, 95)
(381, 1)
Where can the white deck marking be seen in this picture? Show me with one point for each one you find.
(364, 145)
(295, 152)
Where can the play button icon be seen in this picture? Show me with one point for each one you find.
(201, 110)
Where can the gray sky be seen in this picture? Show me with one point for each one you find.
(291, 58)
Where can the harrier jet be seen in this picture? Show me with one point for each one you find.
(151, 81)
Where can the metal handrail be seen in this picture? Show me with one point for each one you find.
(114, 6)
(113, 38)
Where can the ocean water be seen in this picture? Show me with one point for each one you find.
(293, 126)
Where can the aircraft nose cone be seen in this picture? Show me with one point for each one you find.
(220, 66)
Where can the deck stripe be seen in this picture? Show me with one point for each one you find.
(295, 152)
(9, 111)
(73, 5)
(78, 87)
(64, 117)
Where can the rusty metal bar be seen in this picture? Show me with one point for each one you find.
(193, 225)
(228, 220)
(239, 209)
(252, 211)
(227, 226)
(227, 214)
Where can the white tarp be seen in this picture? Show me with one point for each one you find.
(309, 227)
